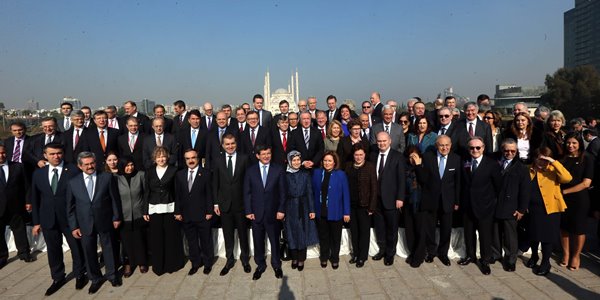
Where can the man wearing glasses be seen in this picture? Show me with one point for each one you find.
(445, 120)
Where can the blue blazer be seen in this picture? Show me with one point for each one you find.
(427, 144)
(97, 214)
(338, 194)
(264, 202)
(48, 209)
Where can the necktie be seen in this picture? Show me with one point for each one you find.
(306, 138)
(323, 133)
(264, 176)
(230, 166)
(90, 187)
(284, 142)
(193, 138)
(180, 120)
(158, 141)
(111, 123)
(76, 138)
(221, 134)
(48, 139)
(471, 133)
(2, 175)
(209, 122)
(190, 180)
(260, 117)
(387, 129)
(102, 142)
(17, 154)
(364, 132)
(330, 115)
(505, 164)
(54, 182)
(442, 166)
(443, 130)
(67, 123)
(253, 137)
(474, 165)
(241, 127)
(132, 142)
(381, 162)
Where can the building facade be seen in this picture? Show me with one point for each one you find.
(582, 34)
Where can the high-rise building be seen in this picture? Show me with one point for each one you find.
(582, 37)
(145, 106)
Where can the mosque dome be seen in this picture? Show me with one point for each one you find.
(281, 91)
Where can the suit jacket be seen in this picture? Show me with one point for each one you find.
(514, 191)
(137, 154)
(49, 209)
(12, 194)
(61, 124)
(185, 142)
(36, 149)
(264, 202)
(228, 190)
(396, 133)
(336, 115)
(213, 145)
(266, 119)
(203, 125)
(70, 153)
(480, 189)
(26, 159)
(461, 135)
(132, 196)
(91, 140)
(263, 137)
(278, 154)
(449, 131)
(168, 142)
(377, 110)
(96, 214)
(434, 188)
(315, 149)
(160, 190)
(392, 183)
(196, 203)
(344, 149)
(178, 124)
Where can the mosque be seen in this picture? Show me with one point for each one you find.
(290, 94)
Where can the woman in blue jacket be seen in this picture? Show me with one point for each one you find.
(422, 137)
(332, 207)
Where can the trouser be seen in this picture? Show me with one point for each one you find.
(54, 241)
(330, 238)
(430, 220)
(505, 238)
(413, 231)
(166, 244)
(272, 231)
(17, 225)
(546, 251)
(90, 250)
(389, 232)
(298, 254)
(200, 245)
(360, 229)
(485, 228)
(229, 222)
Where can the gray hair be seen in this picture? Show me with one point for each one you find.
(521, 103)
(85, 154)
(387, 107)
(540, 110)
(508, 141)
(471, 103)
(558, 115)
(476, 137)
(78, 113)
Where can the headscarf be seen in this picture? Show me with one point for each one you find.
(122, 164)
(290, 157)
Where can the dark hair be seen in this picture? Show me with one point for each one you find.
(190, 150)
(130, 103)
(344, 106)
(352, 123)
(545, 151)
(123, 162)
(252, 113)
(336, 158)
(259, 148)
(579, 139)
(67, 103)
(158, 106)
(100, 112)
(46, 119)
(240, 108)
(416, 127)
(497, 117)
(54, 145)
(482, 97)
(358, 146)
(228, 136)
(257, 96)
(18, 124)
(412, 149)
(331, 97)
(85, 107)
(195, 112)
(283, 102)
(224, 106)
(179, 103)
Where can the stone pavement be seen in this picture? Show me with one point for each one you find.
(373, 281)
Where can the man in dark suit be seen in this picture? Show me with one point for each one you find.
(48, 200)
(264, 203)
(208, 119)
(320, 123)
(280, 139)
(469, 127)
(49, 135)
(391, 178)
(13, 186)
(64, 123)
(214, 137)
(367, 109)
(480, 186)
(192, 137)
(513, 202)
(100, 139)
(264, 116)
(131, 143)
(393, 129)
(307, 140)
(180, 120)
(284, 110)
(438, 173)
(131, 111)
(72, 138)
(16, 144)
(253, 135)
(376, 104)
(113, 120)
(159, 138)
(228, 179)
(312, 107)
(94, 209)
(446, 125)
(159, 112)
(332, 112)
(194, 208)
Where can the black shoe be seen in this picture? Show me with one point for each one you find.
(415, 263)
(388, 261)
(465, 261)
(300, 266)
(542, 270)
(127, 271)
(116, 282)
(360, 263)
(80, 282)
(143, 269)
(294, 264)
(56, 285)
(257, 274)
(445, 260)
(247, 267)
(28, 258)
(485, 267)
(429, 258)
(532, 262)
(324, 264)
(352, 260)
(494, 260)
(207, 270)
(224, 271)
(193, 270)
(335, 266)
(3, 263)
(95, 287)
(509, 267)
(278, 273)
(409, 259)
(378, 256)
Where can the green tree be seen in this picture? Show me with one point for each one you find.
(574, 91)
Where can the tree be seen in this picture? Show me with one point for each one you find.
(574, 91)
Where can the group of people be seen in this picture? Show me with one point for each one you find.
(142, 185)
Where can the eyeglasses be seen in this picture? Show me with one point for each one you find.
(404, 122)
(475, 148)
(366, 107)
(488, 118)
(510, 151)
(444, 116)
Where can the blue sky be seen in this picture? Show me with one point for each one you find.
(109, 51)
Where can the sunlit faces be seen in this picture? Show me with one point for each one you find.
(112, 161)
(221, 119)
(331, 104)
(194, 121)
(264, 156)
(305, 120)
(509, 151)
(191, 159)
(345, 113)
(445, 116)
(258, 103)
(556, 123)
(296, 162)
(100, 120)
(404, 122)
(388, 115)
(66, 109)
(53, 156)
(321, 120)
(471, 112)
(375, 98)
(359, 156)
(161, 160)
(422, 125)
(208, 109)
(312, 103)
(383, 141)
(158, 124)
(17, 131)
(328, 162)
(240, 115)
(451, 103)
(476, 148)
(336, 130)
(521, 122)
(129, 108)
(112, 113)
(355, 131)
(293, 119)
(129, 168)
(229, 145)
(87, 165)
(49, 127)
(284, 108)
(364, 121)
(283, 125)
(443, 145)
(519, 108)
(419, 109)
(227, 111)
(132, 126)
(302, 105)
(159, 112)
(246, 107)
(489, 118)
(252, 119)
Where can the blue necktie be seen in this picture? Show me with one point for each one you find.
(264, 176)
(442, 166)
(90, 187)
(193, 137)
(474, 165)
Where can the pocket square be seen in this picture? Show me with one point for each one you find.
(450, 170)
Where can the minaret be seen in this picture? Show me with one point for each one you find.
(292, 91)
(297, 94)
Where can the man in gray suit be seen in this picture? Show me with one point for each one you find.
(393, 129)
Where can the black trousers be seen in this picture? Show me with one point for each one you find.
(298, 254)
(200, 244)
(90, 251)
(229, 222)
(360, 230)
(17, 224)
(413, 231)
(505, 238)
(330, 238)
(260, 230)
(386, 230)
(54, 241)
(166, 244)
(430, 220)
(485, 227)
(134, 242)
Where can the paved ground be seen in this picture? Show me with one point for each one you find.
(373, 281)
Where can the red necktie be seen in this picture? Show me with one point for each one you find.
(471, 129)
(284, 142)
(241, 128)
(76, 138)
(323, 133)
